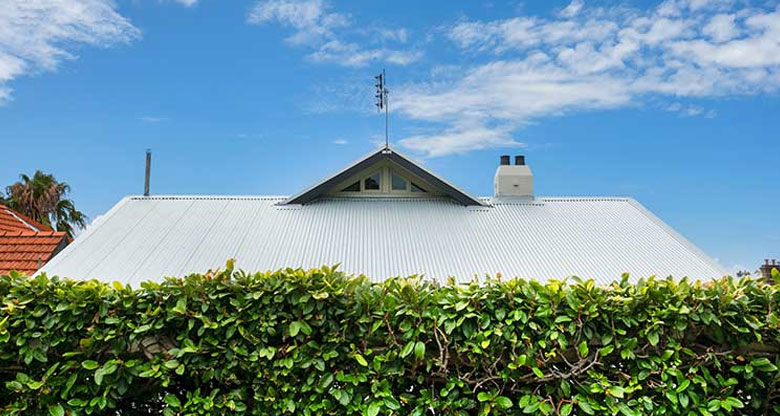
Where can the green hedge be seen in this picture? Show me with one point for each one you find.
(321, 343)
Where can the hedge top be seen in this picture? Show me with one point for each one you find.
(319, 342)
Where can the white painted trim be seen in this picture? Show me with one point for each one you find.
(677, 236)
(30, 226)
(387, 168)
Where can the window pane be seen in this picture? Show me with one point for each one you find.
(371, 183)
(399, 183)
(355, 187)
(417, 188)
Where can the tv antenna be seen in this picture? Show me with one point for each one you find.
(382, 102)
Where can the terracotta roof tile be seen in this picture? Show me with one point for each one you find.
(26, 251)
(11, 220)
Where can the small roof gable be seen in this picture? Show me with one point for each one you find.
(26, 244)
(11, 220)
(384, 153)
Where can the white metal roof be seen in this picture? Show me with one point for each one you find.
(147, 238)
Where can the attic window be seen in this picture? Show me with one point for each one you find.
(355, 187)
(373, 182)
(384, 181)
(398, 182)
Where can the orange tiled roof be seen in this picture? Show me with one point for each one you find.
(27, 251)
(26, 245)
(11, 220)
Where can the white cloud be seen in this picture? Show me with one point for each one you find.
(188, 3)
(330, 34)
(572, 9)
(95, 222)
(461, 138)
(513, 90)
(694, 111)
(760, 49)
(721, 28)
(585, 59)
(309, 18)
(690, 110)
(340, 141)
(398, 35)
(36, 35)
(352, 54)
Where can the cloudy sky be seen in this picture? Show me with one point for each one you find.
(674, 103)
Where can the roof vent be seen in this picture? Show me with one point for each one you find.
(513, 180)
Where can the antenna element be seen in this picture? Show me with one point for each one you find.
(382, 102)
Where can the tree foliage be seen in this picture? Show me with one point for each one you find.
(321, 343)
(44, 199)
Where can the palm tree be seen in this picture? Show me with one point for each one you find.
(43, 199)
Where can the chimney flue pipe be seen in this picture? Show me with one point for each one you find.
(519, 160)
(504, 160)
(148, 171)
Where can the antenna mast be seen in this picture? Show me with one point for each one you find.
(382, 103)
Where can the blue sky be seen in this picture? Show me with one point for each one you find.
(674, 103)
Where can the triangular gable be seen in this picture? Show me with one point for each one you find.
(385, 153)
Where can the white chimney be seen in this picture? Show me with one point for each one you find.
(513, 180)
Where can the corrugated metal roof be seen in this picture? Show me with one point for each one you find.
(147, 238)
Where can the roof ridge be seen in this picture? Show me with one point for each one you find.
(25, 220)
(584, 198)
(206, 197)
(218, 196)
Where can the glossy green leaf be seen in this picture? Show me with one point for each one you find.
(56, 410)
(321, 343)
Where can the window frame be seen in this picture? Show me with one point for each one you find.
(407, 181)
(386, 173)
(381, 182)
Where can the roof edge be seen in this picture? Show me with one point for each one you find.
(27, 221)
(204, 196)
(679, 237)
(81, 238)
(486, 200)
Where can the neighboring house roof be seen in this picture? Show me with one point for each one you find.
(146, 238)
(11, 220)
(25, 244)
(382, 154)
